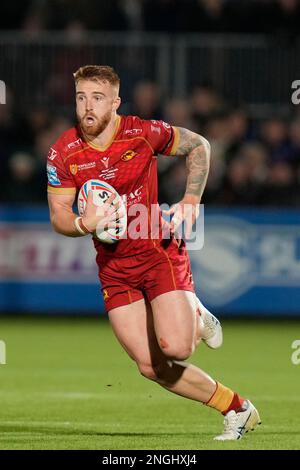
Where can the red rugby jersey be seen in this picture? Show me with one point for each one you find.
(128, 163)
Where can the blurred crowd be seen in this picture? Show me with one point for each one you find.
(174, 16)
(253, 162)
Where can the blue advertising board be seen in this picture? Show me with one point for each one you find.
(249, 264)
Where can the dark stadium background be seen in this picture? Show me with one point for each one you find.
(227, 69)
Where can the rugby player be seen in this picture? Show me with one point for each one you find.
(147, 283)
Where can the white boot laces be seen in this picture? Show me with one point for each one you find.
(230, 423)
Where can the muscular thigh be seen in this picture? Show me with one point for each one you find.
(133, 327)
(174, 316)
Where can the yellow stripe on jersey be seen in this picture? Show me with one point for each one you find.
(65, 191)
(176, 141)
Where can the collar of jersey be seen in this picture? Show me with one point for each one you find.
(96, 147)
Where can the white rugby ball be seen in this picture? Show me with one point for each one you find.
(101, 192)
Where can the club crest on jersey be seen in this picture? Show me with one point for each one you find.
(128, 155)
(73, 169)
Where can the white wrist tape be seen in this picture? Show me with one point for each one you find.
(78, 228)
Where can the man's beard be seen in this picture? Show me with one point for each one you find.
(97, 127)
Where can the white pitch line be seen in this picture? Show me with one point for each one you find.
(96, 424)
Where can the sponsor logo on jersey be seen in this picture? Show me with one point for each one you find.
(52, 175)
(155, 129)
(73, 169)
(166, 125)
(105, 161)
(52, 154)
(134, 197)
(133, 131)
(129, 155)
(109, 173)
(77, 142)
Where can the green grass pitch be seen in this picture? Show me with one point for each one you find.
(68, 384)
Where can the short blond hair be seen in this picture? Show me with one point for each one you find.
(97, 73)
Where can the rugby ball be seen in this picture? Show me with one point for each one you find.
(101, 192)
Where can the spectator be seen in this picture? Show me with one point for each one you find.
(178, 112)
(205, 104)
(239, 189)
(22, 184)
(294, 133)
(281, 189)
(274, 135)
(146, 101)
(239, 131)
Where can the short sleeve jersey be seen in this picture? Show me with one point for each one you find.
(128, 163)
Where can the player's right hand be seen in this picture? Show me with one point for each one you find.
(101, 217)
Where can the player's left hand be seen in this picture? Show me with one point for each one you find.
(187, 211)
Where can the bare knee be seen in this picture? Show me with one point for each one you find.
(179, 354)
(157, 372)
(163, 372)
(176, 350)
(148, 371)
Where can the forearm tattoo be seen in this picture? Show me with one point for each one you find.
(196, 149)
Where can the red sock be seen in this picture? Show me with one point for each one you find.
(236, 404)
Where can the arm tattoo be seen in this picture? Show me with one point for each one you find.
(196, 149)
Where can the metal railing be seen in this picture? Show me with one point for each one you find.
(255, 70)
